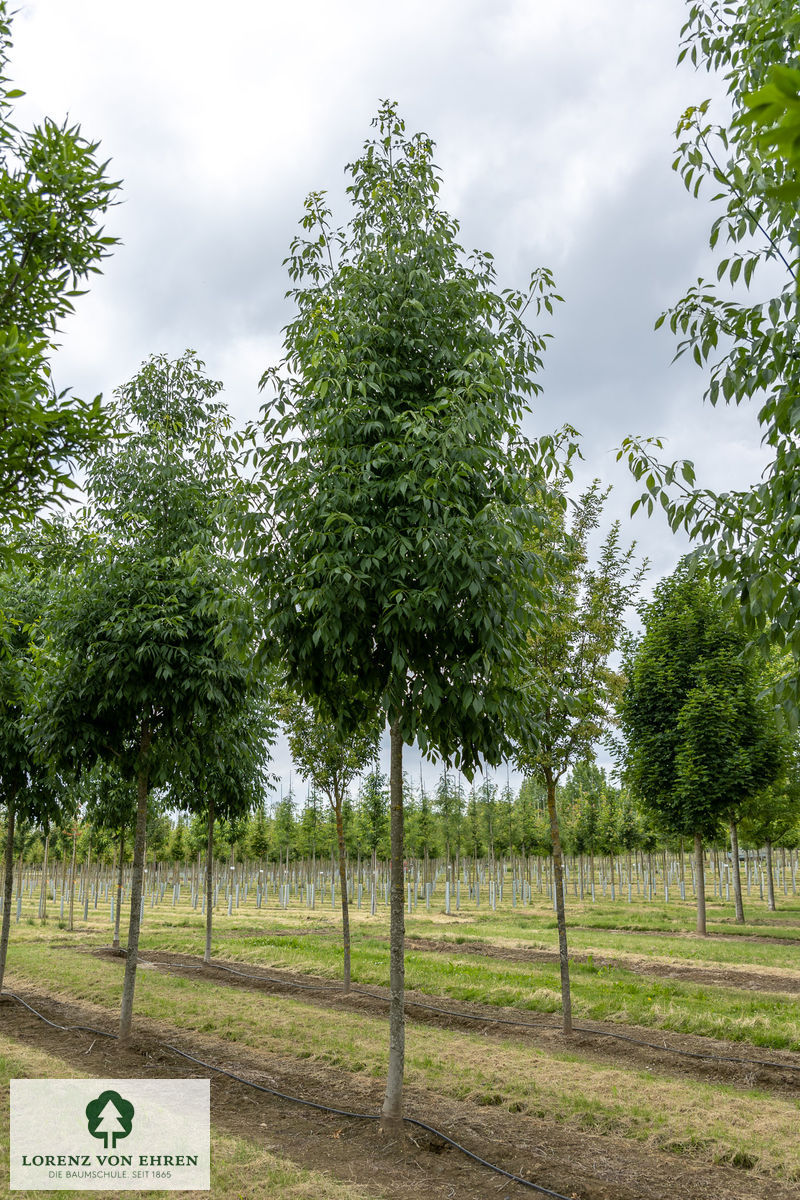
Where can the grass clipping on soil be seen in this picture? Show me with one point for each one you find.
(710, 1122)
(240, 1168)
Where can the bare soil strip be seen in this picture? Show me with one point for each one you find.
(584, 1166)
(542, 1031)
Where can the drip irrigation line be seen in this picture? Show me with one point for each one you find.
(370, 1117)
(53, 1025)
(487, 1020)
(339, 1112)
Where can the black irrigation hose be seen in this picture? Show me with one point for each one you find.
(487, 1020)
(340, 1112)
(370, 1117)
(53, 1025)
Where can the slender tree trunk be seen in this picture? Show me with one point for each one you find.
(209, 879)
(86, 871)
(137, 871)
(700, 886)
(392, 1112)
(63, 877)
(737, 878)
(770, 881)
(43, 892)
(337, 808)
(72, 878)
(8, 887)
(120, 874)
(561, 920)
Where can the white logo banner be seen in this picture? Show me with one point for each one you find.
(110, 1134)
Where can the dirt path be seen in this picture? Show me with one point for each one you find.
(660, 1055)
(577, 1165)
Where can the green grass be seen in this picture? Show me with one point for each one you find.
(302, 941)
(715, 1123)
(599, 993)
(239, 1167)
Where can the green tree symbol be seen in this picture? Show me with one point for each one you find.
(109, 1117)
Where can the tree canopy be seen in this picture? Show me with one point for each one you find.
(389, 545)
(746, 538)
(699, 742)
(54, 191)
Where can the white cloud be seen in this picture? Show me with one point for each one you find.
(554, 128)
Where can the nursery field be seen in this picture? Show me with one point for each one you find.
(681, 1080)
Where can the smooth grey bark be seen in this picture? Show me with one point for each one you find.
(392, 1112)
(43, 892)
(137, 874)
(70, 922)
(209, 880)
(8, 887)
(337, 808)
(699, 868)
(770, 880)
(561, 918)
(737, 878)
(120, 871)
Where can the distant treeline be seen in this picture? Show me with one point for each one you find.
(450, 821)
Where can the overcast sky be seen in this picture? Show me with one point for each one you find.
(554, 126)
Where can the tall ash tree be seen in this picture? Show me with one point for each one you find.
(390, 545)
(566, 675)
(742, 326)
(330, 764)
(700, 741)
(54, 192)
(29, 791)
(228, 781)
(150, 643)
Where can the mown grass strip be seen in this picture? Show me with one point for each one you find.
(599, 993)
(717, 1123)
(239, 1167)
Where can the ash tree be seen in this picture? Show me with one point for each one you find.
(566, 682)
(771, 817)
(700, 741)
(54, 192)
(149, 643)
(110, 801)
(741, 328)
(30, 792)
(330, 764)
(389, 543)
(228, 779)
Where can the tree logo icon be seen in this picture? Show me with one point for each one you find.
(110, 1117)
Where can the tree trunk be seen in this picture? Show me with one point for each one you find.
(770, 881)
(392, 1112)
(700, 886)
(737, 878)
(561, 920)
(137, 871)
(337, 808)
(8, 888)
(209, 880)
(43, 892)
(72, 878)
(85, 871)
(120, 874)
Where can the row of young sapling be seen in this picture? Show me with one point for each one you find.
(470, 884)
